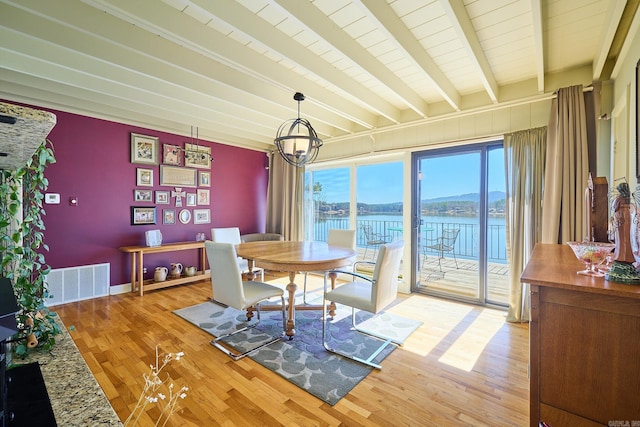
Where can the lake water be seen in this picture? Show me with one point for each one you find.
(467, 244)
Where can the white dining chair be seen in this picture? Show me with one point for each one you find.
(371, 294)
(232, 235)
(230, 290)
(335, 237)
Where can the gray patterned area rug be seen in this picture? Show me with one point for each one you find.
(303, 360)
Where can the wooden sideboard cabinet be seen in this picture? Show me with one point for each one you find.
(584, 344)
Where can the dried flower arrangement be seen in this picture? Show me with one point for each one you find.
(158, 391)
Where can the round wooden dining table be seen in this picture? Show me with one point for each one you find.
(295, 257)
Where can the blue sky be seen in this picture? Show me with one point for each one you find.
(460, 174)
(441, 176)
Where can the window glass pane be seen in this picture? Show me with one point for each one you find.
(379, 195)
(450, 224)
(498, 269)
(328, 203)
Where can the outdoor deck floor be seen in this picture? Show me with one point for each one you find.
(461, 280)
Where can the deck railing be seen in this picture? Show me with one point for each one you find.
(466, 246)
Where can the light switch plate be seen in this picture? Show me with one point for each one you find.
(52, 198)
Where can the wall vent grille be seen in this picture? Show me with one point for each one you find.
(77, 283)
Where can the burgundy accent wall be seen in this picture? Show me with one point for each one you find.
(93, 163)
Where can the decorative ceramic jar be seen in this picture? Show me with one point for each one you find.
(190, 271)
(176, 270)
(160, 274)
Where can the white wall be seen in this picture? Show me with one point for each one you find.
(624, 109)
(438, 131)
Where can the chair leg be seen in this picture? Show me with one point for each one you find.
(455, 259)
(239, 355)
(367, 361)
(371, 334)
(440, 256)
(304, 288)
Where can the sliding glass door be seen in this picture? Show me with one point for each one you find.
(459, 224)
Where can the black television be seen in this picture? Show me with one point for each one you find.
(8, 309)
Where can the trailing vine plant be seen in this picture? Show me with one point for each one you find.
(22, 245)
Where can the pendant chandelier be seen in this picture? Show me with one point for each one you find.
(297, 141)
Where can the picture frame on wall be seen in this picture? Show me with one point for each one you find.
(201, 216)
(142, 195)
(197, 156)
(203, 196)
(204, 179)
(162, 197)
(144, 149)
(176, 176)
(171, 154)
(168, 216)
(184, 216)
(143, 215)
(191, 199)
(144, 177)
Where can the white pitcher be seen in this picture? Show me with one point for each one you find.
(160, 274)
(176, 270)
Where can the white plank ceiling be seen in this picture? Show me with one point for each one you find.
(230, 67)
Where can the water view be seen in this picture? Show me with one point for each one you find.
(390, 226)
(448, 184)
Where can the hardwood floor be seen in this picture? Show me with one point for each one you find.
(465, 366)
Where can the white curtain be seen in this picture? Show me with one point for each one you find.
(284, 199)
(567, 168)
(524, 153)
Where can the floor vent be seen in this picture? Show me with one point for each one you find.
(77, 283)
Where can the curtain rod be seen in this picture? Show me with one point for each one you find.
(584, 89)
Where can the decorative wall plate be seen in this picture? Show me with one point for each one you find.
(185, 216)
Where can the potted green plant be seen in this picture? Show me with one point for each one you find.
(22, 245)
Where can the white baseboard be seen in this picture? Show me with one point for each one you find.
(120, 289)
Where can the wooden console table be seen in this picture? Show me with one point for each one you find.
(137, 257)
(584, 344)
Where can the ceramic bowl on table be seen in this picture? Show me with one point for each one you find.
(591, 254)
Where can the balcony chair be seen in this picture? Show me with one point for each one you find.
(335, 237)
(229, 290)
(373, 239)
(367, 294)
(232, 235)
(444, 244)
(261, 237)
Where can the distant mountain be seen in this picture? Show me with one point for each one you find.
(494, 196)
(397, 207)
